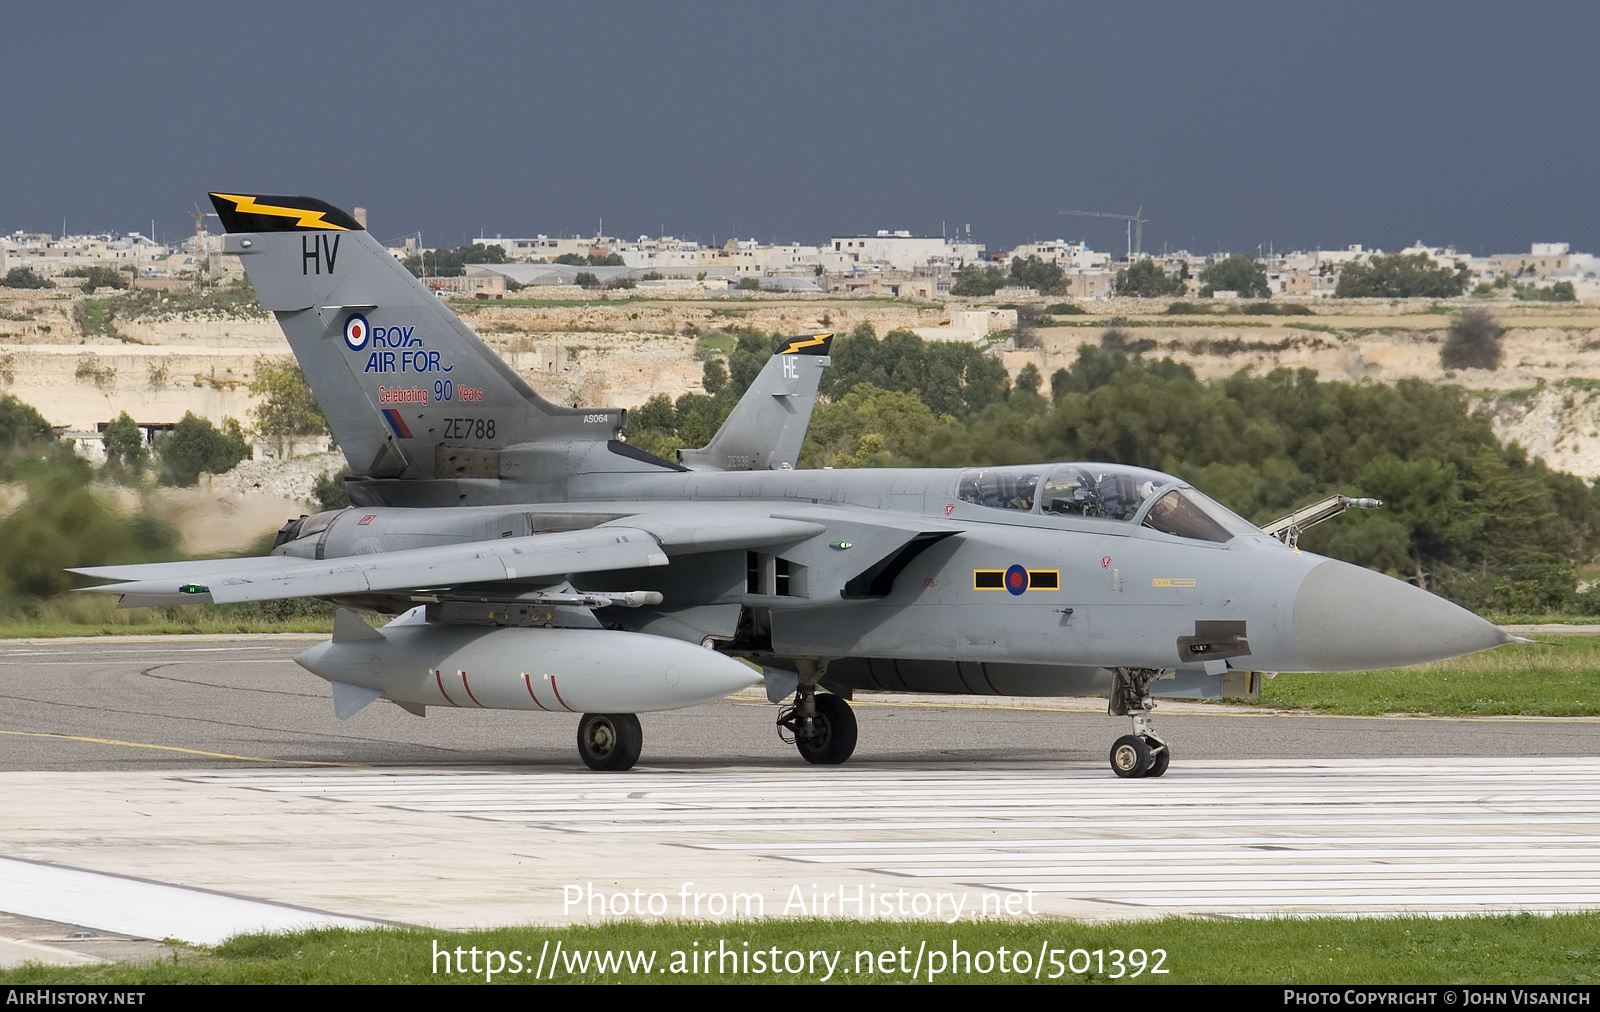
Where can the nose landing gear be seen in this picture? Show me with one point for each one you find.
(1142, 753)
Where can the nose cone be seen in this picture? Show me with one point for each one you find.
(1349, 619)
(311, 657)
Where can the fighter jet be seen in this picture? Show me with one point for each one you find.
(537, 561)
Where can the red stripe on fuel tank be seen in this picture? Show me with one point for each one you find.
(529, 683)
(557, 691)
(438, 680)
(470, 696)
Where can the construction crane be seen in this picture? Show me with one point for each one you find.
(1135, 227)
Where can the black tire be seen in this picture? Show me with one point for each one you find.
(835, 739)
(1158, 763)
(609, 741)
(1130, 756)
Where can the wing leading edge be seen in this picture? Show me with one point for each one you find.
(540, 556)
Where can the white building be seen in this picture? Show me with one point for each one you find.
(903, 251)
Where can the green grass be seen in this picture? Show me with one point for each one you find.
(98, 615)
(1521, 948)
(1559, 677)
(212, 627)
(714, 345)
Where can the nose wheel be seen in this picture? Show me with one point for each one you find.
(1133, 756)
(1142, 753)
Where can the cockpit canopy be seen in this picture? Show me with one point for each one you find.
(1105, 491)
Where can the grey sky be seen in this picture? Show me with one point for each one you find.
(1233, 124)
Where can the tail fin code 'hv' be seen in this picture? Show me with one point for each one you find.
(412, 393)
(408, 389)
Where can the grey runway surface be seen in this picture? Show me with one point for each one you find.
(193, 788)
(185, 703)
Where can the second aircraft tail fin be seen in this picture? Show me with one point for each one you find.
(769, 423)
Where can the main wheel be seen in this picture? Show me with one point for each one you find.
(835, 732)
(609, 741)
(1130, 756)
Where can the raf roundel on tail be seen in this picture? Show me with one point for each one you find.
(536, 561)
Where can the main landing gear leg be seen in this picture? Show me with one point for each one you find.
(1142, 753)
(821, 724)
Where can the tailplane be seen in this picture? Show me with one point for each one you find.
(408, 389)
(769, 423)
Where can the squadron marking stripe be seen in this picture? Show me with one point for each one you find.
(795, 346)
(246, 204)
(397, 423)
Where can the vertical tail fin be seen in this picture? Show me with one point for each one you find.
(409, 390)
(769, 423)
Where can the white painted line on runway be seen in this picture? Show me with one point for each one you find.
(1230, 836)
(143, 909)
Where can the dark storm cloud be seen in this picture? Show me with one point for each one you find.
(1231, 124)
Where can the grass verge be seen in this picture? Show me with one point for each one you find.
(1558, 677)
(1503, 949)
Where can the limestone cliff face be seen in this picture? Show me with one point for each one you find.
(619, 352)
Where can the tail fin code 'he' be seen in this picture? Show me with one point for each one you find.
(408, 389)
(767, 426)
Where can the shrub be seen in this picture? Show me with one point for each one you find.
(196, 445)
(1473, 342)
(24, 277)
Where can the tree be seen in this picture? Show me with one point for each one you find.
(195, 445)
(63, 524)
(586, 279)
(1240, 273)
(1147, 280)
(289, 409)
(124, 444)
(21, 424)
(330, 491)
(1561, 291)
(99, 277)
(1473, 341)
(24, 277)
(448, 263)
(976, 280)
(1401, 277)
(572, 260)
(1042, 276)
(714, 376)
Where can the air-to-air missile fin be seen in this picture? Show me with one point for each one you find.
(349, 700)
(348, 627)
(769, 423)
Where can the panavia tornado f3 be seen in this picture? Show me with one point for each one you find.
(536, 561)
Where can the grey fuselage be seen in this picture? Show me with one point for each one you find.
(1123, 594)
